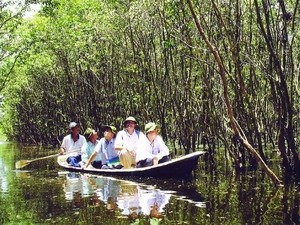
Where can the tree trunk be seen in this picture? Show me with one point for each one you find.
(222, 70)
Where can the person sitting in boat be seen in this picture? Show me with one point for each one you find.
(88, 148)
(126, 142)
(151, 147)
(110, 156)
(73, 143)
(106, 148)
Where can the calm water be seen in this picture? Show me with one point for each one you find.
(43, 193)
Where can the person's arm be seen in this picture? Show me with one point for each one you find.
(119, 148)
(119, 142)
(62, 148)
(84, 152)
(92, 157)
(102, 150)
(141, 150)
(163, 148)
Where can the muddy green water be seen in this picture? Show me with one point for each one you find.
(43, 193)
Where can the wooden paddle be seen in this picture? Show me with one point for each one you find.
(22, 163)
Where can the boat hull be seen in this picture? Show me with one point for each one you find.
(176, 168)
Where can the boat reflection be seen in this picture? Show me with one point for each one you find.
(128, 198)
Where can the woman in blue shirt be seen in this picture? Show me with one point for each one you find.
(88, 149)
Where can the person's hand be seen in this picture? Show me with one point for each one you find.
(62, 151)
(132, 153)
(83, 165)
(155, 161)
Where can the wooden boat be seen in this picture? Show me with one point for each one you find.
(181, 167)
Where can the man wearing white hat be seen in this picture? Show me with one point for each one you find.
(73, 141)
(126, 142)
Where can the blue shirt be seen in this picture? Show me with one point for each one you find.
(106, 149)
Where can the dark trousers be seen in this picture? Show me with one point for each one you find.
(149, 162)
(97, 164)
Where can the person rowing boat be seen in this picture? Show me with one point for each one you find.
(73, 143)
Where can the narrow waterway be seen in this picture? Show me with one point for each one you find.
(43, 193)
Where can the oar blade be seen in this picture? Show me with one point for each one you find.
(21, 163)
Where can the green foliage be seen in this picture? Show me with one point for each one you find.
(9, 52)
(99, 61)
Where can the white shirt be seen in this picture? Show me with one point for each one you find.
(70, 145)
(129, 141)
(147, 150)
(130, 200)
(154, 197)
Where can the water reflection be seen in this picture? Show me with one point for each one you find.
(129, 198)
(3, 180)
(39, 194)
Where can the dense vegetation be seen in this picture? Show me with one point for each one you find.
(98, 62)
